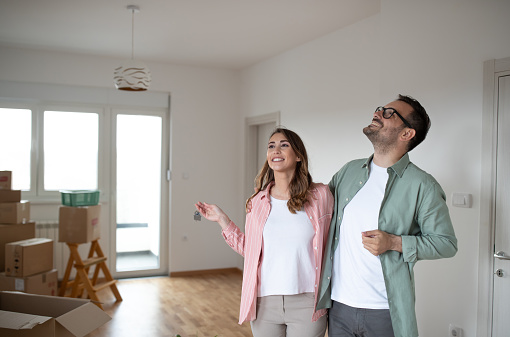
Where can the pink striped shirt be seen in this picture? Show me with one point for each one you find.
(319, 209)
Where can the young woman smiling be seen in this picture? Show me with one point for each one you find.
(287, 223)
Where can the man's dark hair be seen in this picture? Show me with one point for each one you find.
(418, 119)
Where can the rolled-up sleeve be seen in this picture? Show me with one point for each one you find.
(437, 237)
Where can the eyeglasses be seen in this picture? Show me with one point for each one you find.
(388, 112)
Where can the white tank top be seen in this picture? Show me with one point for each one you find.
(357, 279)
(288, 266)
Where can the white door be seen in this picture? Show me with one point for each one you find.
(501, 300)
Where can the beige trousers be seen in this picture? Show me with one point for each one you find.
(287, 316)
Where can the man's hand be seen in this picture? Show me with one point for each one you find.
(378, 242)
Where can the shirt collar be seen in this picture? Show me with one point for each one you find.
(266, 193)
(399, 167)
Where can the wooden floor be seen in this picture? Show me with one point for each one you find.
(201, 305)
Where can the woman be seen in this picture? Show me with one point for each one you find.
(287, 223)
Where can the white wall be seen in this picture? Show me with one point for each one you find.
(434, 50)
(326, 90)
(204, 140)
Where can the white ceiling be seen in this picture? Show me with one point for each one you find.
(218, 33)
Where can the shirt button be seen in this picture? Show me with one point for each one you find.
(315, 248)
(339, 218)
(329, 278)
(315, 286)
(360, 182)
(346, 199)
(336, 238)
(316, 268)
(310, 218)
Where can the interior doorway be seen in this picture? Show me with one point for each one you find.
(494, 263)
(257, 133)
(501, 270)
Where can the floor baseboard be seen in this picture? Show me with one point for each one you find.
(205, 272)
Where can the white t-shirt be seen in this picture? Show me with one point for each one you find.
(357, 279)
(288, 266)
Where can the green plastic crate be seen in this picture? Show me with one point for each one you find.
(80, 198)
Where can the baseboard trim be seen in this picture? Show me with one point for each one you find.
(205, 272)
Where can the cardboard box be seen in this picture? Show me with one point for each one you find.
(11, 233)
(10, 195)
(79, 224)
(5, 180)
(28, 257)
(48, 316)
(41, 284)
(15, 212)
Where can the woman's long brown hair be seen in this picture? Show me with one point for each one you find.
(301, 180)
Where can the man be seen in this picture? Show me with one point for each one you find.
(388, 215)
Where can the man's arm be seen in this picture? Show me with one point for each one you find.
(436, 240)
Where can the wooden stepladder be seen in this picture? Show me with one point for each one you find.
(82, 281)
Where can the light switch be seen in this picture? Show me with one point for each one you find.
(462, 200)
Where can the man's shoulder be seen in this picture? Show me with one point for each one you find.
(418, 175)
(356, 164)
(350, 171)
(417, 171)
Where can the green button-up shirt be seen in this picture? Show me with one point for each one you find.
(414, 207)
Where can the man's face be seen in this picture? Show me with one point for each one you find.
(384, 133)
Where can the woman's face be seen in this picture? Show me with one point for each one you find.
(280, 155)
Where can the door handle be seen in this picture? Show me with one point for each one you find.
(501, 255)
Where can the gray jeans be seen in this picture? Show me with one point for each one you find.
(346, 321)
(287, 316)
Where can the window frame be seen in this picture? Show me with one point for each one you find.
(40, 191)
(37, 193)
(8, 104)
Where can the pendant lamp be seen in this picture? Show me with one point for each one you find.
(132, 75)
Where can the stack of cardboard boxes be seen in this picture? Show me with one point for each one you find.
(28, 307)
(26, 262)
(78, 223)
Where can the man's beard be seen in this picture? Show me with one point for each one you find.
(382, 142)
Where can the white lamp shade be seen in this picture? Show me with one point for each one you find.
(133, 75)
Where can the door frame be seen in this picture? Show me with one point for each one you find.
(251, 125)
(164, 241)
(250, 158)
(492, 69)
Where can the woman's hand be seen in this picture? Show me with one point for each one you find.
(213, 213)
